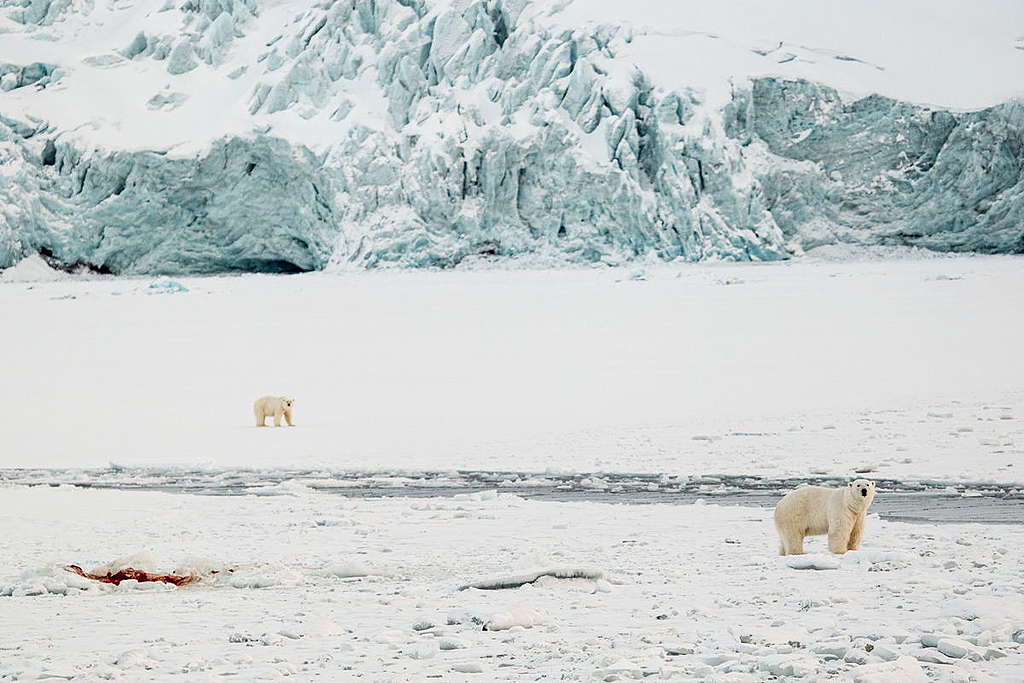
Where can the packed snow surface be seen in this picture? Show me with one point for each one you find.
(194, 137)
(902, 368)
(897, 369)
(699, 595)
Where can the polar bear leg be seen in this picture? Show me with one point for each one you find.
(261, 418)
(839, 537)
(288, 417)
(790, 542)
(796, 545)
(277, 417)
(855, 534)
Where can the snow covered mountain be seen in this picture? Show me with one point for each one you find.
(190, 136)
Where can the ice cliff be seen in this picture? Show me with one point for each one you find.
(881, 171)
(249, 136)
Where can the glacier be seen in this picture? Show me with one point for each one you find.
(879, 171)
(405, 133)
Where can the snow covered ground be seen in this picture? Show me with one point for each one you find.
(353, 122)
(369, 589)
(907, 368)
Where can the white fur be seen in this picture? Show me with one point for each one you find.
(278, 406)
(816, 511)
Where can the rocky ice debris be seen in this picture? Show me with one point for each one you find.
(954, 647)
(818, 562)
(903, 669)
(521, 617)
(37, 73)
(515, 580)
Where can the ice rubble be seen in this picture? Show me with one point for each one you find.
(434, 133)
(32, 269)
(518, 579)
(14, 76)
(523, 616)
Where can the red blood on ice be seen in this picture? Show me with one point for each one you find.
(141, 576)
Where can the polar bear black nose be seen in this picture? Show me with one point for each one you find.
(864, 492)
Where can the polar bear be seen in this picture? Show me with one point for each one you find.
(273, 405)
(816, 510)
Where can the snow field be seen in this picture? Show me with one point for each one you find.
(898, 369)
(700, 593)
(894, 368)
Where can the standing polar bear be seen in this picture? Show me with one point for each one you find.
(273, 405)
(816, 510)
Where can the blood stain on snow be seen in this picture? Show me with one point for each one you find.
(128, 573)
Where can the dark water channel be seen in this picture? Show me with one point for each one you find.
(908, 501)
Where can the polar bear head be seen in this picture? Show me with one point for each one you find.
(287, 402)
(862, 491)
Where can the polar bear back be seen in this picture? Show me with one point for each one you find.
(811, 505)
(269, 405)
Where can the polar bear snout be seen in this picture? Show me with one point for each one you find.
(865, 488)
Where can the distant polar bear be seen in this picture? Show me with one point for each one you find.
(273, 405)
(816, 510)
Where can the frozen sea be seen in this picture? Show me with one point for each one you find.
(629, 427)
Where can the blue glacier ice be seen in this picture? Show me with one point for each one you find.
(496, 137)
(878, 171)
